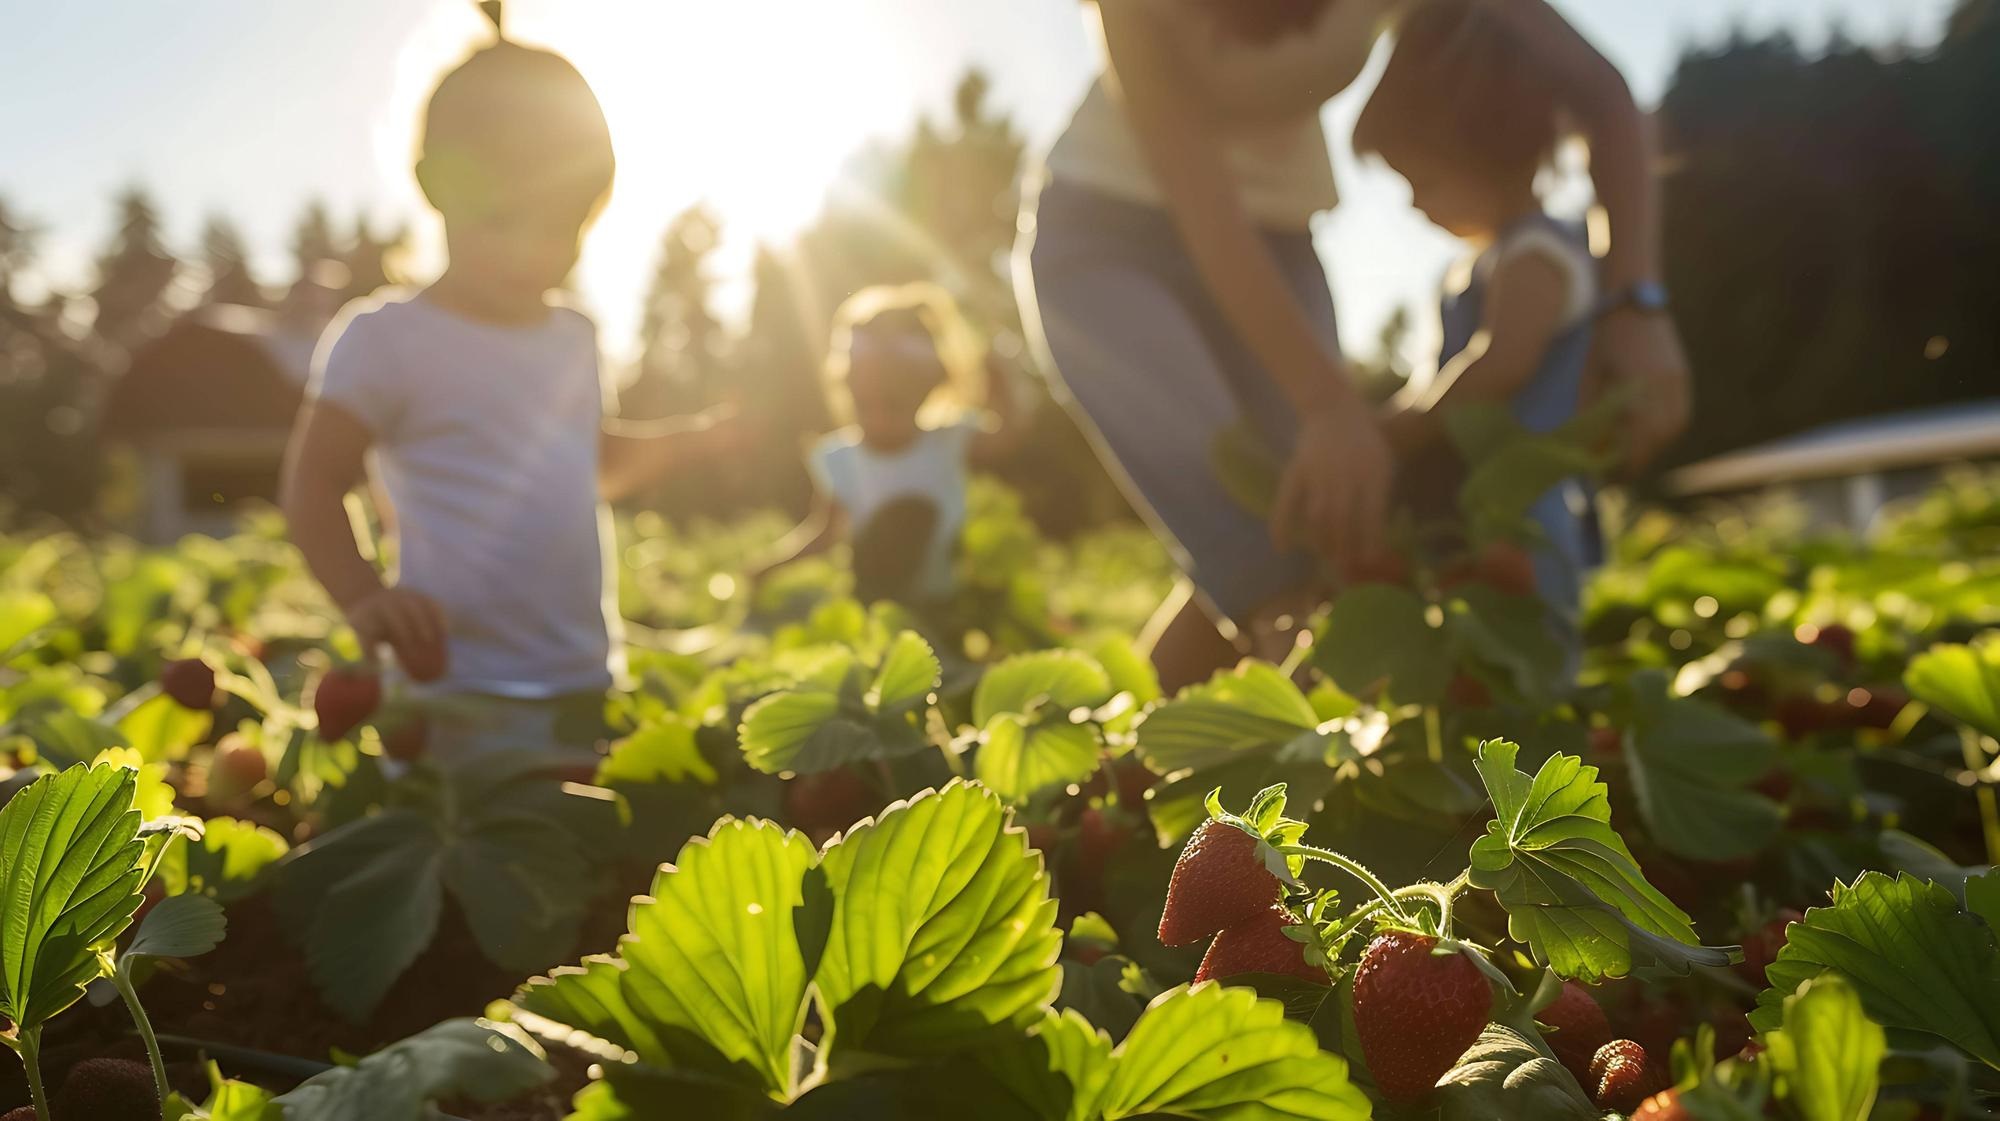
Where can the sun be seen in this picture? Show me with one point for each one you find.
(750, 107)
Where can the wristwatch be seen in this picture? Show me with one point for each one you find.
(1648, 296)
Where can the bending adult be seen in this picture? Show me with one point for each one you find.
(1172, 282)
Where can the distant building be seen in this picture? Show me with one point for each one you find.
(206, 407)
(1844, 474)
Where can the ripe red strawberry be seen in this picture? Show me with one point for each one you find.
(1580, 1028)
(1761, 946)
(107, 1090)
(20, 1113)
(1663, 1106)
(1385, 566)
(345, 697)
(1621, 1076)
(1607, 740)
(1501, 565)
(1467, 691)
(235, 768)
(1218, 882)
(1836, 639)
(1416, 1011)
(826, 802)
(190, 682)
(408, 739)
(1258, 946)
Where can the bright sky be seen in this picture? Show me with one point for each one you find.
(250, 107)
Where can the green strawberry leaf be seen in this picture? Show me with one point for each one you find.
(844, 712)
(1378, 635)
(160, 730)
(1252, 706)
(711, 979)
(70, 873)
(1509, 634)
(1244, 730)
(1690, 763)
(21, 615)
(1035, 712)
(471, 1059)
(226, 863)
(1571, 889)
(1962, 680)
(942, 931)
(663, 751)
(1829, 1053)
(513, 850)
(1918, 963)
(908, 673)
(1219, 1053)
(179, 926)
(1505, 1077)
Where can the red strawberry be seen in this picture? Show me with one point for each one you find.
(1502, 565)
(1467, 691)
(345, 697)
(1416, 1011)
(1621, 1076)
(20, 1113)
(1761, 946)
(1218, 882)
(1258, 946)
(236, 767)
(107, 1090)
(828, 801)
(1508, 567)
(190, 682)
(1607, 741)
(1836, 639)
(1663, 1106)
(1133, 781)
(1580, 1028)
(408, 740)
(1385, 566)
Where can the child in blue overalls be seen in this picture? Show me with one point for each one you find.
(1464, 116)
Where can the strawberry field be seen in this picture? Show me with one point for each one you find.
(836, 861)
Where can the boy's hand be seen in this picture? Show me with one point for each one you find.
(410, 622)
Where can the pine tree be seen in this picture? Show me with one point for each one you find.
(681, 343)
(230, 280)
(313, 239)
(133, 274)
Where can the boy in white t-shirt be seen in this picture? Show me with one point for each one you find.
(479, 401)
(894, 477)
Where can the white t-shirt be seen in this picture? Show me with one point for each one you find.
(933, 467)
(486, 438)
(1281, 163)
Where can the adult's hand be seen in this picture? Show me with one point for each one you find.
(1641, 356)
(1334, 494)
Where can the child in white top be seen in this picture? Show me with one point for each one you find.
(478, 400)
(893, 477)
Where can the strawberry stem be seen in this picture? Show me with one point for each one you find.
(1352, 867)
(1439, 894)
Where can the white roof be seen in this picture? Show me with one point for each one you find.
(1921, 437)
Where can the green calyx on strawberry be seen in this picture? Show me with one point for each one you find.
(345, 698)
(1419, 1002)
(1231, 872)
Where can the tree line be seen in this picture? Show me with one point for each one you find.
(1832, 246)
